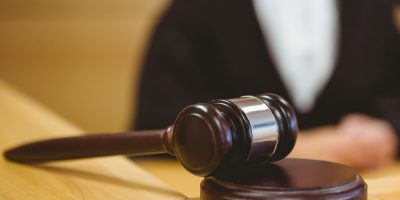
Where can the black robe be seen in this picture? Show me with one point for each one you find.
(209, 49)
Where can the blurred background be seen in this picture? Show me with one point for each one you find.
(81, 58)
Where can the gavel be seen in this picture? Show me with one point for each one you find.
(205, 138)
(231, 142)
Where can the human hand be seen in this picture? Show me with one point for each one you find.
(365, 142)
(358, 141)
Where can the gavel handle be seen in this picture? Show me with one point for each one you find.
(132, 143)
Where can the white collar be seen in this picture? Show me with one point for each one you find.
(302, 37)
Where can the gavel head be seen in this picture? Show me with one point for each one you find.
(249, 130)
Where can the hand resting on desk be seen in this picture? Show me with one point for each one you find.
(360, 141)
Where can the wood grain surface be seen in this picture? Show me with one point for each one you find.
(22, 120)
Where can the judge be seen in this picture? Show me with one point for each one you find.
(336, 61)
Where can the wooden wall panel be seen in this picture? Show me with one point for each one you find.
(79, 57)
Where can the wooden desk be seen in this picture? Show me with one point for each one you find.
(22, 120)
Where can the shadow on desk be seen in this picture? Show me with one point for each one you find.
(169, 170)
(97, 177)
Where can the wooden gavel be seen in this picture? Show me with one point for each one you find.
(205, 137)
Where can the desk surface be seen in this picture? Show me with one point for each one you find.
(22, 119)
